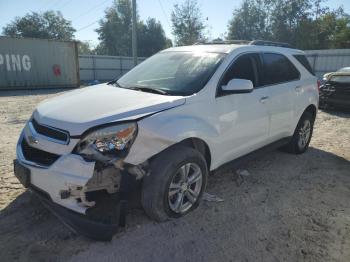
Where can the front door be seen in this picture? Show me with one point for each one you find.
(243, 118)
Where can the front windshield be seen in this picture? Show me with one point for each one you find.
(175, 73)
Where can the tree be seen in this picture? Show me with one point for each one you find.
(115, 32)
(249, 21)
(48, 25)
(334, 30)
(84, 48)
(285, 19)
(187, 23)
(151, 38)
(305, 24)
(115, 29)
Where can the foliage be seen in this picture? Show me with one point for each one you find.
(85, 48)
(187, 23)
(249, 21)
(305, 24)
(48, 25)
(115, 32)
(334, 30)
(151, 38)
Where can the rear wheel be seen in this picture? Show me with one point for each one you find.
(302, 135)
(175, 185)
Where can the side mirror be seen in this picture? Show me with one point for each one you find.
(239, 86)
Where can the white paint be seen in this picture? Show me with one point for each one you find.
(15, 62)
(100, 104)
(231, 125)
(26, 63)
(70, 169)
(8, 66)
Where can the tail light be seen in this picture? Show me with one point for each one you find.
(318, 85)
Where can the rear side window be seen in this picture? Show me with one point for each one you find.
(303, 60)
(278, 69)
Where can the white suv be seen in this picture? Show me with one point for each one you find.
(167, 123)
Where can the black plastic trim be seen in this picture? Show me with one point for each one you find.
(229, 92)
(36, 155)
(78, 223)
(52, 132)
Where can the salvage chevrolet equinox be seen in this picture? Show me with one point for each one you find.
(165, 124)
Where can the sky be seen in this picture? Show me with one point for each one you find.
(84, 14)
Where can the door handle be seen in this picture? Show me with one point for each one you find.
(264, 99)
(297, 88)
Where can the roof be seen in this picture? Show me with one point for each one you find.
(215, 48)
(228, 48)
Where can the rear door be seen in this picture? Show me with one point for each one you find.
(281, 78)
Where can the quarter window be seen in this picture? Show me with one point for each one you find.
(278, 69)
(303, 60)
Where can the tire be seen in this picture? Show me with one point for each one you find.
(300, 140)
(168, 168)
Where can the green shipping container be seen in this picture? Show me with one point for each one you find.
(28, 63)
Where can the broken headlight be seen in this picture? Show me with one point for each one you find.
(109, 142)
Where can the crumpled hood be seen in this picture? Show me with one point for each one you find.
(81, 109)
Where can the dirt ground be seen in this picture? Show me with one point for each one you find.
(290, 207)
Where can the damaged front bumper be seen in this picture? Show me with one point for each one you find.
(68, 172)
(84, 194)
(79, 223)
(99, 222)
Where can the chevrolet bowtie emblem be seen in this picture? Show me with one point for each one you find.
(32, 140)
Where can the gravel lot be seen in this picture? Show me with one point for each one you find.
(290, 208)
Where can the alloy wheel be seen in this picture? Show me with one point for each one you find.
(185, 188)
(304, 134)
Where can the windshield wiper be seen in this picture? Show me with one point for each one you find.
(115, 83)
(140, 88)
(150, 90)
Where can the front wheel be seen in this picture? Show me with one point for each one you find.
(176, 182)
(302, 134)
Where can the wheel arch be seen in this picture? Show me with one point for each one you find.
(200, 145)
(193, 142)
(312, 109)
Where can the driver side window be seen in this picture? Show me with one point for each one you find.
(245, 67)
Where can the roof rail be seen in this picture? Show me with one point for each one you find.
(270, 43)
(244, 42)
(223, 42)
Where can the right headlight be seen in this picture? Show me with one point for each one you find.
(109, 142)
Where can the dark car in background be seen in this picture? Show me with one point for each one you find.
(335, 91)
